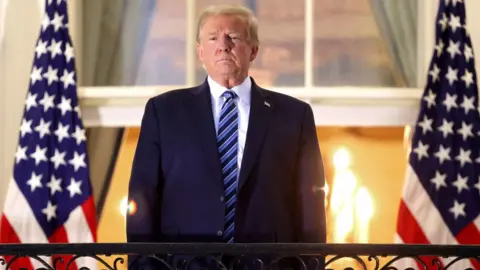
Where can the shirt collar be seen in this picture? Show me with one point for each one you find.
(242, 90)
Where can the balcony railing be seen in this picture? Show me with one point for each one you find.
(244, 256)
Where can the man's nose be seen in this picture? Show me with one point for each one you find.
(224, 43)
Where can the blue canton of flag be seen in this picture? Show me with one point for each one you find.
(50, 190)
(441, 200)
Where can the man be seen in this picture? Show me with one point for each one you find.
(227, 161)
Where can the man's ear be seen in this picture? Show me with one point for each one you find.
(254, 53)
(199, 52)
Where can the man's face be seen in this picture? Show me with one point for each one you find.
(224, 48)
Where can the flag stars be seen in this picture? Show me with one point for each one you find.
(421, 150)
(443, 22)
(67, 78)
(78, 161)
(57, 21)
(439, 180)
(55, 48)
(62, 132)
(446, 128)
(465, 130)
(74, 187)
(21, 154)
(41, 48)
(58, 158)
(65, 105)
(51, 75)
(50, 211)
(45, 22)
(54, 185)
(452, 75)
(35, 181)
(458, 209)
(439, 48)
(26, 127)
(39, 155)
(461, 183)
(79, 135)
(467, 78)
(426, 124)
(36, 75)
(430, 98)
(454, 22)
(43, 128)
(435, 72)
(467, 104)
(31, 101)
(464, 157)
(47, 101)
(453, 48)
(450, 101)
(443, 154)
(468, 52)
(69, 54)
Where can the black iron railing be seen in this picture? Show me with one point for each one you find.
(242, 256)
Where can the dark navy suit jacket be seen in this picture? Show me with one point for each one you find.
(176, 178)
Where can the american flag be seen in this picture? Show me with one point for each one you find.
(49, 198)
(441, 196)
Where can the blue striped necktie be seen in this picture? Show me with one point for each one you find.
(227, 142)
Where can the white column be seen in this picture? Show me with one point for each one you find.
(427, 12)
(190, 41)
(75, 29)
(309, 43)
(22, 27)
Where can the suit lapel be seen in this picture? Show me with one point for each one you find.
(261, 111)
(201, 115)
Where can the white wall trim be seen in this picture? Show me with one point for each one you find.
(332, 106)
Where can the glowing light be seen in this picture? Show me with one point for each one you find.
(127, 207)
(341, 159)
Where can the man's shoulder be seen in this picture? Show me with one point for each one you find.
(285, 100)
(173, 94)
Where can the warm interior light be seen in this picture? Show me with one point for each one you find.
(344, 187)
(363, 214)
(341, 159)
(350, 203)
(344, 223)
(407, 133)
(127, 207)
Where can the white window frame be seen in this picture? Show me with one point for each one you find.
(122, 106)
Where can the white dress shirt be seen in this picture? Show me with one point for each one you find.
(243, 104)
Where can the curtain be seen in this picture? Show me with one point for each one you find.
(397, 21)
(114, 37)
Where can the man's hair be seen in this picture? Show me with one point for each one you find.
(236, 10)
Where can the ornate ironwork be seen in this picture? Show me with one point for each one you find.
(243, 256)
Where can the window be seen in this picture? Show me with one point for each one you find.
(364, 43)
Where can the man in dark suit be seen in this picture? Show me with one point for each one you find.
(227, 161)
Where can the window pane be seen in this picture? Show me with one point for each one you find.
(365, 42)
(133, 42)
(280, 61)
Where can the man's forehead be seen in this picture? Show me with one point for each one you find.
(220, 20)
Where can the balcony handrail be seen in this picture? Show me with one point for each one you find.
(241, 248)
(303, 255)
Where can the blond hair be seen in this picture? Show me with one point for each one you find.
(236, 10)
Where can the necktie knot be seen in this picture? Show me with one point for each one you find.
(229, 94)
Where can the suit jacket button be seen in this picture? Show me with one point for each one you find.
(222, 199)
(219, 233)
